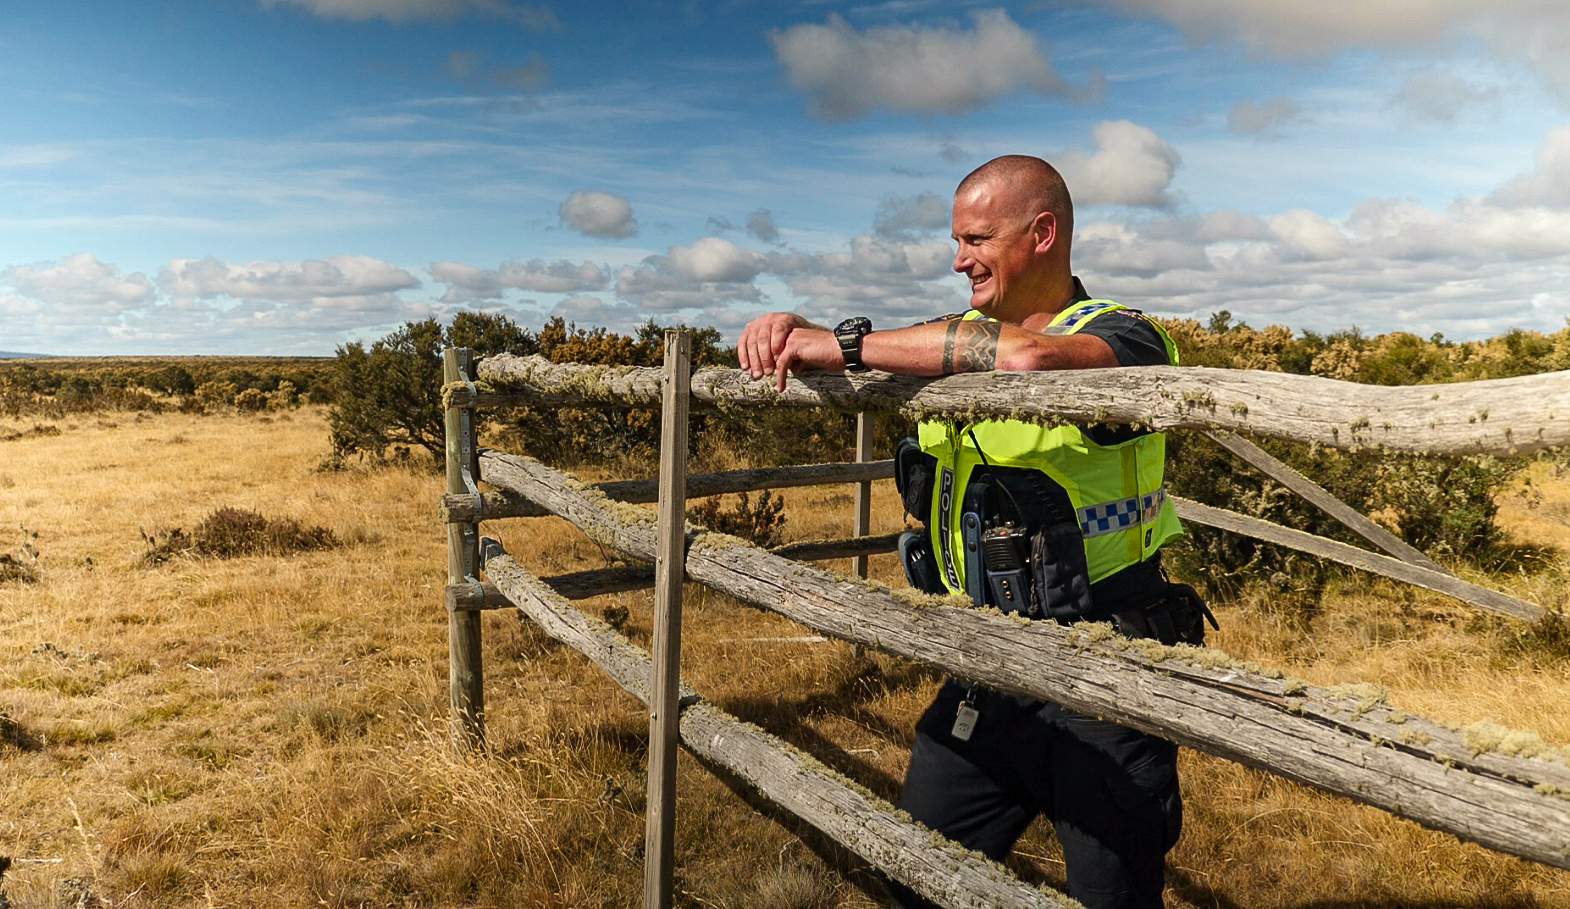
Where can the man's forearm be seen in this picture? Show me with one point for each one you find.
(954, 346)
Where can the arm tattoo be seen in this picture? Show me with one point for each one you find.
(971, 346)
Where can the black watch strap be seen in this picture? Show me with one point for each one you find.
(849, 333)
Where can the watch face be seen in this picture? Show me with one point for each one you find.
(854, 326)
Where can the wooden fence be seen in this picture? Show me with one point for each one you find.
(1504, 790)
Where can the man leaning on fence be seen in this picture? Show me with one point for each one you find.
(1057, 523)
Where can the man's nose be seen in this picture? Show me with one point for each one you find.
(962, 260)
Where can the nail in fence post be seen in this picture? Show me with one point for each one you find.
(465, 672)
(864, 488)
(669, 569)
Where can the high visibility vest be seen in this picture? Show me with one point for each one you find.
(1117, 490)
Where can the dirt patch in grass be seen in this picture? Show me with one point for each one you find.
(232, 532)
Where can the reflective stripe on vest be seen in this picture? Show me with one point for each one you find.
(1117, 491)
(1109, 517)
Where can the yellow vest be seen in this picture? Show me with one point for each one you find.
(1117, 491)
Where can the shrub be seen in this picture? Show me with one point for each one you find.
(251, 400)
(21, 566)
(1443, 506)
(390, 394)
(232, 532)
(214, 396)
(760, 520)
(170, 380)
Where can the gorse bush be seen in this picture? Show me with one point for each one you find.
(57, 386)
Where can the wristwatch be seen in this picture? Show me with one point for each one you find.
(849, 333)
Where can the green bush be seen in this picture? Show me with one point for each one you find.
(390, 393)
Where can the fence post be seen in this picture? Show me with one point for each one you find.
(465, 671)
(864, 488)
(669, 569)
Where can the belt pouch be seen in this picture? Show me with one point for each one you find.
(1060, 573)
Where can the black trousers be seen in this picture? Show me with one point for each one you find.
(1111, 792)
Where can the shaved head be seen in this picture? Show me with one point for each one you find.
(1012, 226)
(1025, 186)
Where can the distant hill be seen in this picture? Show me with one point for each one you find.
(13, 355)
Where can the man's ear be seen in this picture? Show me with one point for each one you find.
(1044, 229)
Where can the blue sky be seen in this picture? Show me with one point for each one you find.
(279, 176)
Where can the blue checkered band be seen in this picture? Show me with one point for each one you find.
(1078, 316)
(1111, 517)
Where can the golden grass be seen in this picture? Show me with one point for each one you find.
(272, 730)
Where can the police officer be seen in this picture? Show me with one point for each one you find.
(986, 763)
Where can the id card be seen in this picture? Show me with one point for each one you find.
(965, 721)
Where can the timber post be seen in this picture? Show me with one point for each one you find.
(670, 556)
(465, 670)
(864, 488)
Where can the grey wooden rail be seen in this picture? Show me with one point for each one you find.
(1283, 473)
(581, 585)
(1345, 741)
(504, 504)
(460, 508)
(1498, 416)
(866, 825)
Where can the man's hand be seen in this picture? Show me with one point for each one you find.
(782, 343)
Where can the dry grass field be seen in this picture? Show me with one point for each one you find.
(271, 730)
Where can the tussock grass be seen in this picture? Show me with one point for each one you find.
(229, 533)
(272, 730)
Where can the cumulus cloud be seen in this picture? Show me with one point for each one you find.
(1478, 266)
(1264, 118)
(905, 216)
(761, 224)
(598, 214)
(1530, 31)
(713, 260)
(1440, 96)
(587, 309)
(314, 280)
(466, 283)
(1131, 166)
(702, 276)
(1548, 183)
(536, 16)
(846, 73)
(79, 281)
(882, 277)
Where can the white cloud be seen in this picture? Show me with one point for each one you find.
(1264, 118)
(1441, 96)
(1536, 32)
(466, 283)
(699, 276)
(1476, 267)
(536, 16)
(890, 280)
(315, 280)
(29, 156)
(904, 216)
(713, 260)
(592, 310)
(1548, 183)
(79, 281)
(847, 73)
(598, 214)
(1131, 166)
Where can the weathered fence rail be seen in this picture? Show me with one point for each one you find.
(1347, 743)
(506, 505)
(868, 826)
(1498, 416)
(1502, 789)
